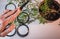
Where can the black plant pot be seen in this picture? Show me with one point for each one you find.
(53, 14)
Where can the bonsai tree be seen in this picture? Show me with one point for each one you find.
(49, 9)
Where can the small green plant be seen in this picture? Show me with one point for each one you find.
(45, 6)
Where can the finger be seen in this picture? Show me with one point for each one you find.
(5, 11)
(1, 25)
(11, 18)
(8, 14)
(4, 33)
(0, 15)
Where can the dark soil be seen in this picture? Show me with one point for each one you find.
(52, 16)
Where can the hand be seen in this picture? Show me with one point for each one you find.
(58, 1)
(5, 19)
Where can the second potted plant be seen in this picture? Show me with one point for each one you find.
(50, 10)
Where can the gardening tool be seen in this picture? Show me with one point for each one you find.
(16, 30)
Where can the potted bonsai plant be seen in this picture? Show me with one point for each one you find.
(49, 10)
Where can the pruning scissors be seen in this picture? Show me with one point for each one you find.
(16, 30)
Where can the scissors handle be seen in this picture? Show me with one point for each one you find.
(10, 4)
(12, 34)
(22, 35)
(26, 18)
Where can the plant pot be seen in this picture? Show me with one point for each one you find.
(53, 14)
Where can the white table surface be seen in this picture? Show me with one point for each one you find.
(37, 31)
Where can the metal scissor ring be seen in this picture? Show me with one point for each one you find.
(9, 4)
(14, 31)
(12, 34)
(27, 19)
(20, 33)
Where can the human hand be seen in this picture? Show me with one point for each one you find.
(6, 18)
